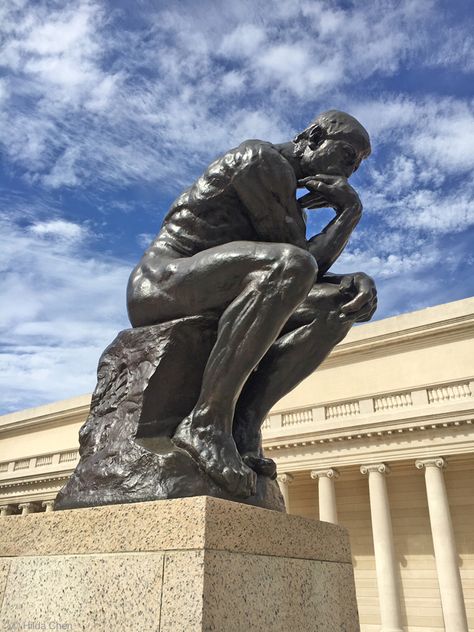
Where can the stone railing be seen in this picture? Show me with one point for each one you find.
(393, 401)
(367, 410)
(38, 464)
(298, 417)
(371, 409)
(450, 392)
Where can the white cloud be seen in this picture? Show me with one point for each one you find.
(448, 140)
(410, 272)
(424, 182)
(243, 41)
(144, 239)
(434, 212)
(99, 104)
(60, 307)
(58, 228)
(232, 82)
(65, 169)
(437, 131)
(458, 57)
(100, 96)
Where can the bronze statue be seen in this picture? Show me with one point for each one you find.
(233, 250)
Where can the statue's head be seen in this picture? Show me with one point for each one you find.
(334, 143)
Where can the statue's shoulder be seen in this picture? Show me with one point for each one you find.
(239, 160)
(253, 150)
(263, 160)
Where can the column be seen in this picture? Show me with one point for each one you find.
(386, 565)
(48, 505)
(326, 493)
(27, 508)
(7, 510)
(284, 481)
(449, 580)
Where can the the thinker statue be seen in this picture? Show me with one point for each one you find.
(233, 248)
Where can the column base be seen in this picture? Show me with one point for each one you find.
(188, 565)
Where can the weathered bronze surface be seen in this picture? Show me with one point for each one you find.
(231, 307)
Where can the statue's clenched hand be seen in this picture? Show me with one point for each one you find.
(363, 303)
(332, 191)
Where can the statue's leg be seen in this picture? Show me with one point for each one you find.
(256, 287)
(307, 338)
(247, 328)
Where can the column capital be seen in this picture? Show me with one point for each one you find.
(381, 468)
(328, 472)
(284, 478)
(436, 461)
(7, 510)
(27, 508)
(48, 505)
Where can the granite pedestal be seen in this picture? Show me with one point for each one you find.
(186, 565)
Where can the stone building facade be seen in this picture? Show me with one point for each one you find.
(380, 439)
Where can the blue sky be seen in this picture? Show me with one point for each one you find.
(109, 109)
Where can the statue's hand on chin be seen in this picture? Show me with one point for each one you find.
(326, 191)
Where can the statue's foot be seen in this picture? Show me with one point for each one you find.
(259, 464)
(217, 455)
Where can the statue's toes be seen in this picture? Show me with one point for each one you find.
(261, 465)
(241, 482)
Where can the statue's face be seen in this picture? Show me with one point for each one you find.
(332, 157)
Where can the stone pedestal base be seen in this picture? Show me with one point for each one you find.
(187, 565)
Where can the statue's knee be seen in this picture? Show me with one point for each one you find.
(298, 270)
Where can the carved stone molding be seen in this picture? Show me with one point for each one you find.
(330, 472)
(284, 478)
(436, 461)
(381, 468)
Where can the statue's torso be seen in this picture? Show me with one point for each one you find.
(211, 213)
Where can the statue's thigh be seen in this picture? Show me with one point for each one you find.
(211, 279)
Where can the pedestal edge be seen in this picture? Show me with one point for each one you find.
(200, 522)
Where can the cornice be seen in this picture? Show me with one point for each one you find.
(395, 450)
(36, 481)
(412, 337)
(368, 431)
(61, 417)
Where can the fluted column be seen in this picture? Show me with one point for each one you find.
(27, 508)
(284, 480)
(385, 562)
(48, 505)
(444, 544)
(326, 493)
(7, 510)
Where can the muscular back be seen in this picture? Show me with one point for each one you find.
(247, 194)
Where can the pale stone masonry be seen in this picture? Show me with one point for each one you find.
(186, 565)
(326, 493)
(444, 542)
(385, 560)
(397, 393)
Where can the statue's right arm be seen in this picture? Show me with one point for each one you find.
(335, 192)
(266, 185)
(329, 244)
